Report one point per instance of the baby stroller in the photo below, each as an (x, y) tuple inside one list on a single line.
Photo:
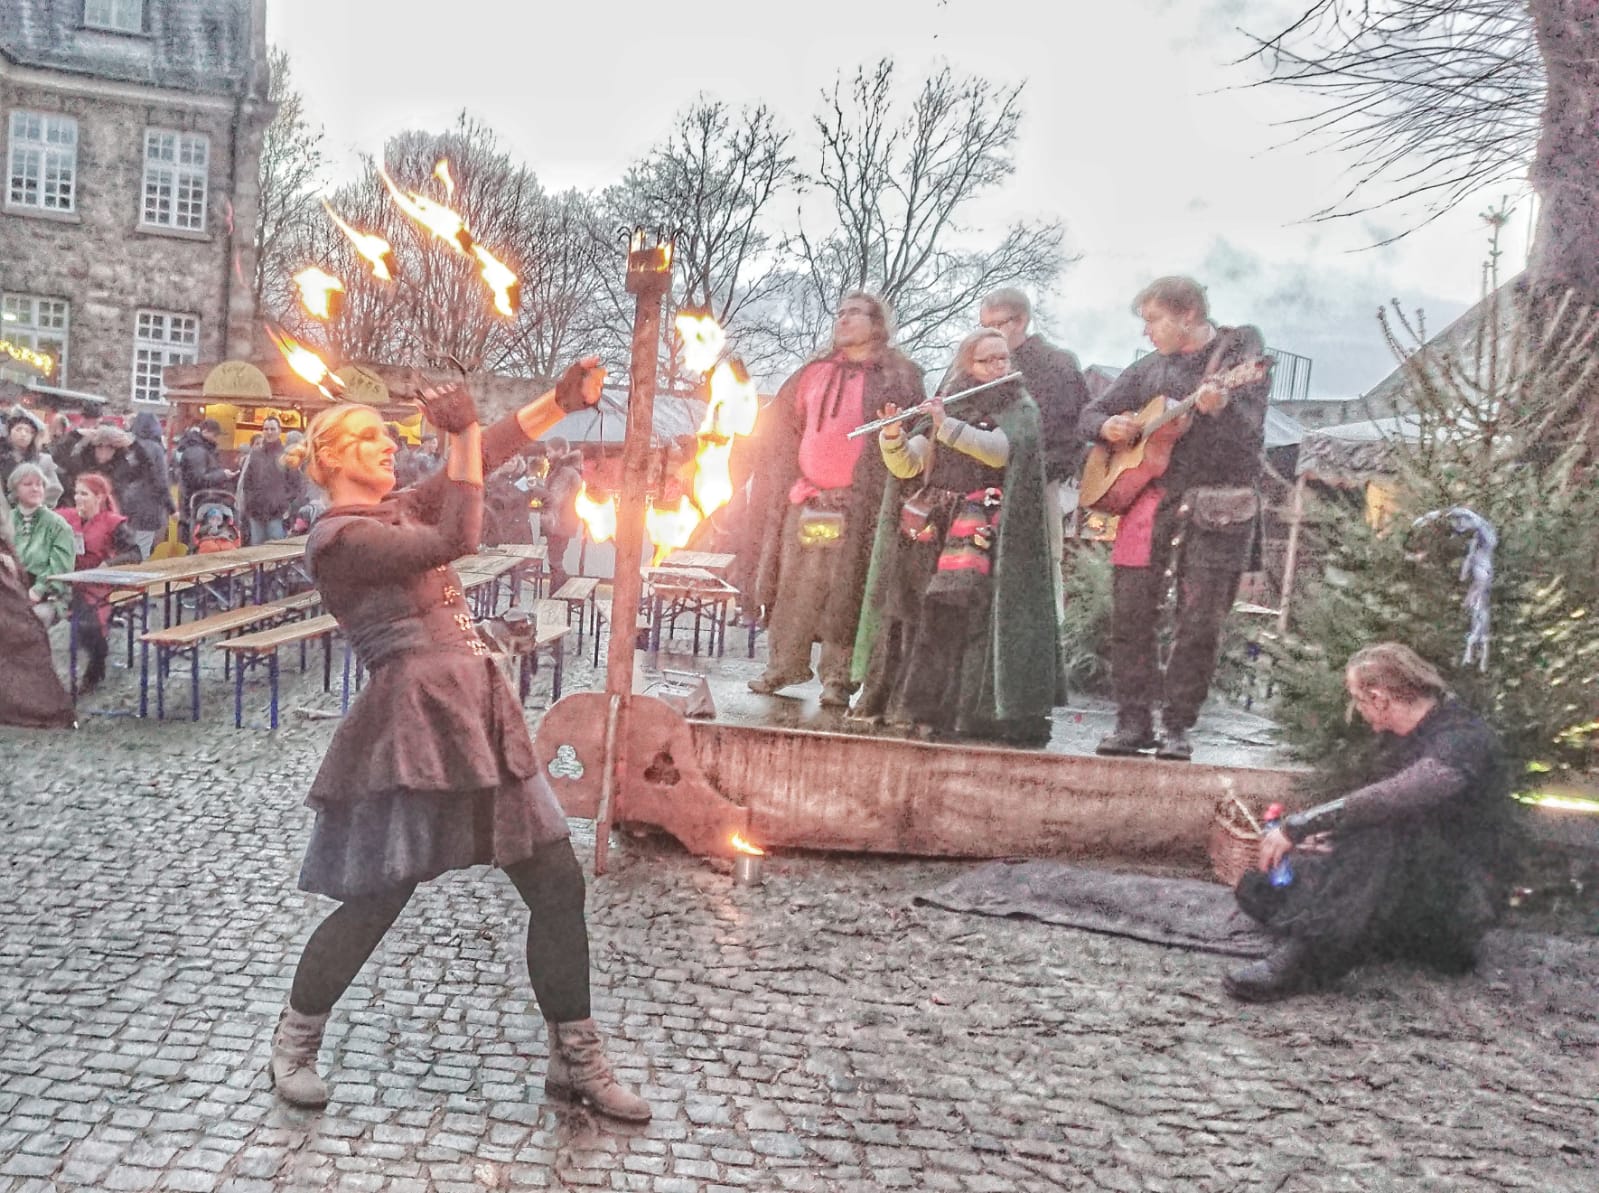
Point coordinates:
[(213, 522)]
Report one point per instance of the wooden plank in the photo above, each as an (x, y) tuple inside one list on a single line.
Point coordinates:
[(883, 795), (282, 635), (230, 619)]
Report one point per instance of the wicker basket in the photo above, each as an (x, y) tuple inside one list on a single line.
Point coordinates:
[(1234, 841)]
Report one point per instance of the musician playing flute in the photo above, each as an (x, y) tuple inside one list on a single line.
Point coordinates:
[(433, 769), (1197, 522), (960, 597)]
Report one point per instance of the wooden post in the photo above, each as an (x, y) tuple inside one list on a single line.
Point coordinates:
[(649, 274), (1296, 516)]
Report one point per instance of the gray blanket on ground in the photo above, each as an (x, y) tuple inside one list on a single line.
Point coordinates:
[(1182, 912)]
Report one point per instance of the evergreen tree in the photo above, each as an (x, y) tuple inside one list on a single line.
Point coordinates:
[(1475, 438)]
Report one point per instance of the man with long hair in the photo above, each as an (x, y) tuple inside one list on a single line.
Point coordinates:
[(817, 496), (1406, 866)]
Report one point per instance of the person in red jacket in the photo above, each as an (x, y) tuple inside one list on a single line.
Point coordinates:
[(102, 537)]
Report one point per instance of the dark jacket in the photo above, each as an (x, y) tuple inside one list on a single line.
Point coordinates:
[(267, 486), (1056, 383), (1217, 449), (558, 495), (199, 466), (144, 489), (892, 377)]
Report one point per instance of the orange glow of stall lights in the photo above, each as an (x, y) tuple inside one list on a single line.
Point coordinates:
[(438, 219), (321, 294), (740, 845), (703, 341), (599, 517), (670, 529), (441, 171), (306, 363), (507, 287), (373, 249)]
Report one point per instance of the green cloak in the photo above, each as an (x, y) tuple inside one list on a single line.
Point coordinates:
[(1008, 673)]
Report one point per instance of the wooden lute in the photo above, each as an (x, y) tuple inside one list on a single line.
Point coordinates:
[(1113, 477)]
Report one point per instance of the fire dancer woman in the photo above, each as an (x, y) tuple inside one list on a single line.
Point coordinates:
[(959, 596), (433, 769)]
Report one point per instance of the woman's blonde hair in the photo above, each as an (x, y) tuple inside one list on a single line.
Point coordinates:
[(327, 435), (1396, 669), (966, 354)]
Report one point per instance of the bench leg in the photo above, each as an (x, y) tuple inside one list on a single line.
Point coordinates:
[(272, 670), (160, 683), (327, 662), (194, 682), (344, 701), (238, 694), (144, 679), (555, 679)]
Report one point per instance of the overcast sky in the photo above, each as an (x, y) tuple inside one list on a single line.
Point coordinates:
[(1137, 134)]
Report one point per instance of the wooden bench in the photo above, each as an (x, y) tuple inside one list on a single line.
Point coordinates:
[(262, 646), (549, 637), (578, 593), (186, 638)]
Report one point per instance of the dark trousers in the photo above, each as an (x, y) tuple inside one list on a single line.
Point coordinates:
[(1376, 896), (556, 545), (1204, 597), (550, 883)]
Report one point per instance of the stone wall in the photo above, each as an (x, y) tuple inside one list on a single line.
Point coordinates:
[(99, 257)]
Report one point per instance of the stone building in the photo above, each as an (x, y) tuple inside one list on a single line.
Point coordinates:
[(132, 136)]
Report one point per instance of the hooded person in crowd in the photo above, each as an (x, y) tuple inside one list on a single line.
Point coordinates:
[(144, 489)]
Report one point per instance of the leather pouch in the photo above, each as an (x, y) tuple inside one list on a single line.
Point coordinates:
[(1222, 507), (819, 527)]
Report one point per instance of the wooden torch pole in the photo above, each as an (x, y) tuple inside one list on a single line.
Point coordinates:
[(649, 274)]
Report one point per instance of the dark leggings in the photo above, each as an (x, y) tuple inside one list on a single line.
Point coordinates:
[(550, 883)]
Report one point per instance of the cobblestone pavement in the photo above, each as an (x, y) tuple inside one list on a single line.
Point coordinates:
[(820, 1032)]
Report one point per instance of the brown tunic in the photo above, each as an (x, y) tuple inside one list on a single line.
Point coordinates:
[(433, 769)]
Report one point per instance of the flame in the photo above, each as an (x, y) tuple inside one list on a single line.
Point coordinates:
[(441, 171), (373, 248), (438, 219), (598, 516), (734, 402), (703, 341), (307, 363), (670, 529), (321, 294), (713, 481), (740, 845), (506, 285)]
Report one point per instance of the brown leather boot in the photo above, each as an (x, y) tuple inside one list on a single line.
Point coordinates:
[(293, 1065), (579, 1071)]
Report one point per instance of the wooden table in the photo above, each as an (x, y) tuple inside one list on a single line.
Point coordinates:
[(167, 577), (711, 561), (675, 592), (532, 557)]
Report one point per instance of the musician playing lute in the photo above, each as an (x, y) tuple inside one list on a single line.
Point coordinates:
[(1206, 499)]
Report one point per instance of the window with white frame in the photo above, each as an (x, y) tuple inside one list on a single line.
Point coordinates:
[(161, 338), (122, 16), (175, 167), (43, 161), (40, 324)]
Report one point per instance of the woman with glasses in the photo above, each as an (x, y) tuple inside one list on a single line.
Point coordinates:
[(958, 626)]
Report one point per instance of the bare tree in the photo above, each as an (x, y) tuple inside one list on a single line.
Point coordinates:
[(898, 186), (1438, 98), (291, 164), (713, 181), (1432, 99), (437, 312)]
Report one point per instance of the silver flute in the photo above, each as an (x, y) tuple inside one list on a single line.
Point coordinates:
[(921, 407)]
